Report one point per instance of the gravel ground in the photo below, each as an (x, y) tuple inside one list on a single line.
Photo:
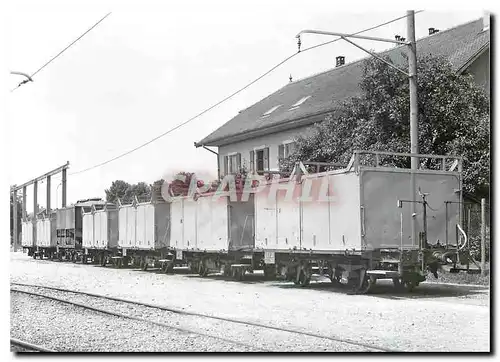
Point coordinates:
[(259, 337), (18, 349), (433, 318), (87, 331)]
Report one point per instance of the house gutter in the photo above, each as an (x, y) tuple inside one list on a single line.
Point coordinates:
[(215, 153), (473, 58)]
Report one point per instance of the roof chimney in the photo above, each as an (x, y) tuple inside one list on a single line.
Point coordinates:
[(486, 21), (397, 37), (340, 61), (433, 31)]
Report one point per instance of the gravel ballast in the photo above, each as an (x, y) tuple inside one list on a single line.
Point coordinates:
[(433, 318), (66, 328), (255, 336)]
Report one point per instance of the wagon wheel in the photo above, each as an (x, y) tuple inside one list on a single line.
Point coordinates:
[(270, 272), (238, 274), (336, 276), (103, 260), (202, 270), (360, 288), (227, 270), (303, 279), (368, 282), (397, 283), (410, 285)]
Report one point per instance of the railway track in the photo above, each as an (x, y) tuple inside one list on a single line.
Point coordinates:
[(250, 331), (24, 346)]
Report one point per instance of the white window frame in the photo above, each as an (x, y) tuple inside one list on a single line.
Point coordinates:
[(230, 155), (285, 143), (258, 148)]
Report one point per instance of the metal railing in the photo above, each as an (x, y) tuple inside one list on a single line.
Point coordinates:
[(377, 159)]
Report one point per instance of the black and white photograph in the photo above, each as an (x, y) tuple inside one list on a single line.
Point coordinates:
[(247, 176)]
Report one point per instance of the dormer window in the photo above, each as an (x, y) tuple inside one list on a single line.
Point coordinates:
[(297, 105), (270, 111)]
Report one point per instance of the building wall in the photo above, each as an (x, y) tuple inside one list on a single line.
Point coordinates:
[(271, 140), (480, 70)]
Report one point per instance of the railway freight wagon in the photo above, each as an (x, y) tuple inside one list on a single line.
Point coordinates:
[(356, 224), (143, 236), (214, 232), (69, 228), (45, 236), (27, 236), (100, 234)]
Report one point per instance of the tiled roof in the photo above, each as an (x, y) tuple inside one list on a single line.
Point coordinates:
[(329, 89)]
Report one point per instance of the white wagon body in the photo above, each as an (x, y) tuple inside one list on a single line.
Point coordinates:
[(27, 234), (355, 211), (46, 232), (211, 223), (144, 226), (100, 229)]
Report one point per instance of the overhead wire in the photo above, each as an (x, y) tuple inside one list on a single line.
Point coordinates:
[(62, 51), (234, 94)]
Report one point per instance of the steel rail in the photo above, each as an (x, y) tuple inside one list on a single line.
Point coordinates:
[(120, 315), (231, 320), (24, 344)]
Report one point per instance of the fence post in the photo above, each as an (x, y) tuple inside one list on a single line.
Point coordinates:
[(483, 237)]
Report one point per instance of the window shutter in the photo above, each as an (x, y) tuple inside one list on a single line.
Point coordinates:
[(225, 165), (266, 159), (238, 163), (281, 153), (252, 161)]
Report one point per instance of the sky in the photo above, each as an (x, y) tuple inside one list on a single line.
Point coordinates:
[(150, 66)]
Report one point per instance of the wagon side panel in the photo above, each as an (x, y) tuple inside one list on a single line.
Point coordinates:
[(189, 222), (87, 231), (176, 223), (381, 191), (204, 222), (162, 225), (241, 218), (345, 212), (265, 220), (123, 227)]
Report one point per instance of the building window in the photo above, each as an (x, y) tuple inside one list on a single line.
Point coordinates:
[(285, 150), (232, 163), (259, 160)]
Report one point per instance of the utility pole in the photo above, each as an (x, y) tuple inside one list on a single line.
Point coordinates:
[(412, 76), (412, 71)]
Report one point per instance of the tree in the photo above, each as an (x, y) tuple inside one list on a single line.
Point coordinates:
[(127, 192), (453, 120), (117, 191)]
